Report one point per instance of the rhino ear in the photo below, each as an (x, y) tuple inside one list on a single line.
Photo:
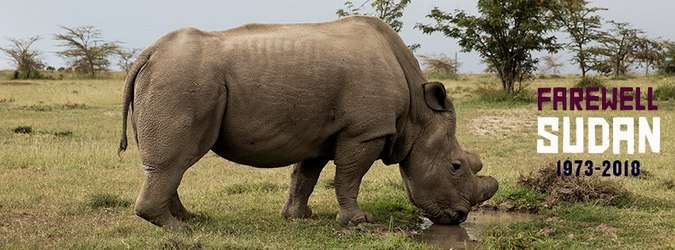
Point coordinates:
[(434, 96)]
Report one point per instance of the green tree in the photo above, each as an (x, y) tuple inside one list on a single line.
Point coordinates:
[(582, 26), (85, 49), (26, 59), (667, 65), (616, 50), (504, 34), (390, 11), (649, 53)]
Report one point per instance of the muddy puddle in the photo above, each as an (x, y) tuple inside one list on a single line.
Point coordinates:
[(467, 234)]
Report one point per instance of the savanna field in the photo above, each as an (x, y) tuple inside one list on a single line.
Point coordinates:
[(62, 184)]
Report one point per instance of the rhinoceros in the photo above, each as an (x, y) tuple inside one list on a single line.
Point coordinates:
[(273, 95)]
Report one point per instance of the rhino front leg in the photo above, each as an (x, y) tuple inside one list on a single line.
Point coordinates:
[(352, 161), (177, 209), (303, 179)]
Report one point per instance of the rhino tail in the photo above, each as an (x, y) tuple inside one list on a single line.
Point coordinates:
[(129, 96)]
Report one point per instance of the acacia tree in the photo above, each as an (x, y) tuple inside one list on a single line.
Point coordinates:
[(580, 23), (504, 34), (649, 53), (26, 59), (616, 50), (551, 65), (125, 57), (440, 66), (85, 48), (667, 64), (390, 11)]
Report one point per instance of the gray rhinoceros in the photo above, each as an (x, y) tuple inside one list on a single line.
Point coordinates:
[(271, 95)]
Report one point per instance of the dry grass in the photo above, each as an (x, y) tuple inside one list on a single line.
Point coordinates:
[(582, 189)]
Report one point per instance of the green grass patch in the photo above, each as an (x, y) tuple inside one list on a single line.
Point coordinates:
[(394, 211), (107, 200), (394, 183), (516, 198), (503, 98), (255, 187), (173, 243), (521, 235), (586, 213), (591, 81)]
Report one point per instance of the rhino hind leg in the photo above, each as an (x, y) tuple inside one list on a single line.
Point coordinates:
[(157, 197), (158, 201), (177, 122), (352, 161), (303, 179)]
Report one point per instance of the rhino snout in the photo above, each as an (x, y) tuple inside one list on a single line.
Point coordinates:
[(449, 216)]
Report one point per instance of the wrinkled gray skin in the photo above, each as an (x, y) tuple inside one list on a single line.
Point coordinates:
[(274, 95)]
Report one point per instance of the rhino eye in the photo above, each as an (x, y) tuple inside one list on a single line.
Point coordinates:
[(456, 166)]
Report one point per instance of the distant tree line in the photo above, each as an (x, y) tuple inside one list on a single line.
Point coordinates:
[(83, 48), (506, 33)]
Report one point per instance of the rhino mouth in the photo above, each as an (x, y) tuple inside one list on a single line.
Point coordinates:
[(448, 216)]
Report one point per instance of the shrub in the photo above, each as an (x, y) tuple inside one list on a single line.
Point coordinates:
[(23, 130), (21, 75), (440, 67), (665, 92), (559, 189), (65, 133), (592, 81), (72, 105)]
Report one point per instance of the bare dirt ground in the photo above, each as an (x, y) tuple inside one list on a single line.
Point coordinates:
[(500, 123)]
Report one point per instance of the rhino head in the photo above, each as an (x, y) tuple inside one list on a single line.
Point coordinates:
[(439, 176)]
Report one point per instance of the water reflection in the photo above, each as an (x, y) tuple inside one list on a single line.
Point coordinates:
[(465, 235)]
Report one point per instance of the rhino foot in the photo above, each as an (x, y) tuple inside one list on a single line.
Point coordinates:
[(178, 210), (296, 211), (177, 226), (166, 221), (355, 217)]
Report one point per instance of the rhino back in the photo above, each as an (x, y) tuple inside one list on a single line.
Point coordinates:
[(292, 89)]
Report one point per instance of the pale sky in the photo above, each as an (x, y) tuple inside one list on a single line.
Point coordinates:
[(138, 23)]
